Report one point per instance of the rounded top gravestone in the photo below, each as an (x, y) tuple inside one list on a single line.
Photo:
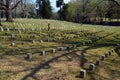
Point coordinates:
[(53, 50), (41, 41), (42, 53), (82, 73), (91, 67), (28, 56), (8, 29), (2, 29), (12, 44), (12, 35)]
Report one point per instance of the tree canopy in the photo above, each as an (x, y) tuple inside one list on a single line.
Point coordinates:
[(44, 9)]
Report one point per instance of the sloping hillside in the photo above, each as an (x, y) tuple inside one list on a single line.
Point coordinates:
[(31, 51)]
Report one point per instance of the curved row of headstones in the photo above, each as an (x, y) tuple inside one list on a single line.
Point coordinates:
[(42, 53), (17, 29), (60, 49), (98, 61), (23, 42), (68, 48), (26, 29), (82, 72), (33, 41)]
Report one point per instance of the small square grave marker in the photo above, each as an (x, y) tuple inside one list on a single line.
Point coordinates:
[(61, 49), (33, 41), (41, 41), (83, 43), (8, 29), (106, 55), (12, 36), (12, 44), (0, 45), (102, 57), (97, 62), (74, 46), (48, 40), (2, 29), (28, 56), (112, 50), (91, 67), (82, 73), (68, 47), (53, 50), (109, 53), (90, 41), (42, 53)]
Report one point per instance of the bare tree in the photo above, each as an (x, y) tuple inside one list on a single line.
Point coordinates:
[(1, 1), (7, 7), (0, 19)]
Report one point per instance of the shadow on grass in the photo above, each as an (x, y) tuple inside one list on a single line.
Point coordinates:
[(41, 66)]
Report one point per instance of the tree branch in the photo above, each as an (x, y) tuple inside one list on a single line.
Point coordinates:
[(1, 4), (116, 2), (16, 5), (2, 8)]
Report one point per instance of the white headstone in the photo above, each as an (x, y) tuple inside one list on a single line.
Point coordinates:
[(41, 41), (74, 46), (91, 67), (53, 50), (82, 73), (13, 44), (0, 45), (97, 62), (42, 53), (109, 53), (83, 43), (28, 56), (33, 41), (106, 55), (12, 35), (8, 29), (102, 57), (2, 29), (61, 49)]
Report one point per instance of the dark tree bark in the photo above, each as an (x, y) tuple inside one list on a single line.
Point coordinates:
[(7, 8), (1, 1), (8, 11), (0, 19)]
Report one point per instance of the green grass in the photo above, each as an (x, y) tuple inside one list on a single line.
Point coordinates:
[(64, 33)]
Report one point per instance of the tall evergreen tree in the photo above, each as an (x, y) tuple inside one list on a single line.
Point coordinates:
[(44, 9), (59, 3), (64, 12)]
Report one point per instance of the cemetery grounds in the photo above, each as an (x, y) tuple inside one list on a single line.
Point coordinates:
[(70, 42)]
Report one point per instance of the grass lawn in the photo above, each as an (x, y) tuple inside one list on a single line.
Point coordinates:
[(32, 36)]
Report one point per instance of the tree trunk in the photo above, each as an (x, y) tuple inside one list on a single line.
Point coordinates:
[(60, 13), (8, 12), (0, 19), (0, 22), (8, 16)]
